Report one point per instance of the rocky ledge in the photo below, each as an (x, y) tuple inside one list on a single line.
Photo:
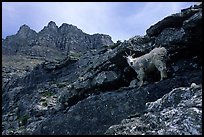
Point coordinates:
[(178, 112)]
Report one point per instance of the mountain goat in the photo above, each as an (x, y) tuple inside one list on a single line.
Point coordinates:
[(148, 62)]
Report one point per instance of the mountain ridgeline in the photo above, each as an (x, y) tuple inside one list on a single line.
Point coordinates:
[(53, 41)]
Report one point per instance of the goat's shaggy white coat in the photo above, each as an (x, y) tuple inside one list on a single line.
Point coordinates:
[(146, 63)]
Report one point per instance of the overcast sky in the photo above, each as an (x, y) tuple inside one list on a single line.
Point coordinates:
[(120, 20)]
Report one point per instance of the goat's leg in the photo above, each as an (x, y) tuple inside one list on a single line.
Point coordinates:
[(161, 66), (140, 76), (163, 74)]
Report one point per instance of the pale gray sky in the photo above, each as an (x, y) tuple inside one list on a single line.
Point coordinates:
[(120, 20)]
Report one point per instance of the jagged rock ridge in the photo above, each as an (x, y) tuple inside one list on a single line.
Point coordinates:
[(52, 41)]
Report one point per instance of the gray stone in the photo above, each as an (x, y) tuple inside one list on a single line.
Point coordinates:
[(176, 113), (133, 83), (105, 77)]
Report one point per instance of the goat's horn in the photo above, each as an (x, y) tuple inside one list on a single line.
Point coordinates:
[(133, 54), (126, 54), (130, 53)]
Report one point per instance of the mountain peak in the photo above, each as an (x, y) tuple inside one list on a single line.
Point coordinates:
[(65, 25), (25, 31), (24, 28), (52, 25), (64, 28)]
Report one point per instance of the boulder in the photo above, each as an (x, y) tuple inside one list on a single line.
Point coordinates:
[(178, 112), (105, 77)]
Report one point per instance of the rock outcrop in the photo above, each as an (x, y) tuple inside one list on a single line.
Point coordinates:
[(178, 112), (94, 93)]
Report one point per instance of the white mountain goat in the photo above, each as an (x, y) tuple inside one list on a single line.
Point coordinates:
[(148, 62)]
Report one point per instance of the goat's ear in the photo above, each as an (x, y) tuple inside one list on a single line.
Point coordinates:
[(124, 57)]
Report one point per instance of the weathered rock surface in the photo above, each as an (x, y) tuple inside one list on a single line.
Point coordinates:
[(87, 95), (178, 112), (175, 20)]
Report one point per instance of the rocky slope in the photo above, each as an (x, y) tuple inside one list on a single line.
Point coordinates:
[(52, 43), (94, 93), (178, 112)]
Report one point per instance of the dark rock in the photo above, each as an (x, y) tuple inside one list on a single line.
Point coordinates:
[(103, 110), (170, 36), (193, 21), (177, 113), (173, 21), (105, 77), (109, 108)]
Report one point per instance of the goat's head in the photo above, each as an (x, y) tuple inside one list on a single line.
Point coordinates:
[(129, 58)]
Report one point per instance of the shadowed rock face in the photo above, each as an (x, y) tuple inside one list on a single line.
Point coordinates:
[(94, 93)]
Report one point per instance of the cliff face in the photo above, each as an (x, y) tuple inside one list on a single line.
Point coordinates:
[(98, 93)]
